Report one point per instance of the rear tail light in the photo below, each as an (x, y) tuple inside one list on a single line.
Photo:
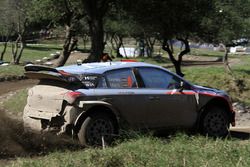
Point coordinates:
[(64, 73), (129, 60), (70, 97)]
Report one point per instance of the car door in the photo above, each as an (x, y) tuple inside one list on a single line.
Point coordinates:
[(122, 92), (166, 106)]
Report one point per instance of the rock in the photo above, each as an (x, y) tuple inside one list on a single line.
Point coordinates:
[(54, 55), (5, 64), (239, 107), (45, 58), (49, 63), (27, 62), (8, 78), (38, 61)]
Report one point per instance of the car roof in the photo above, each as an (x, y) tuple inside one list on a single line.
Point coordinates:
[(102, 67)]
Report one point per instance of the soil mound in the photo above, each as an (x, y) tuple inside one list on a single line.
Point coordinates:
[(16, 142), (10, 136)]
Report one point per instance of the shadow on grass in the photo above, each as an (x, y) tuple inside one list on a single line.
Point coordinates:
[(43, 48), (240, 134), (160, 59), (206, 55), (243, 71), (201, 63)]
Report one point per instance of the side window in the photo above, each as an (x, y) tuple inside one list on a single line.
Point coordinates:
[(102, 83), (157, 78), (123, 78)]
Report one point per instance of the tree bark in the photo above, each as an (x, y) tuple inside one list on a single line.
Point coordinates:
[(97, 37), (225, 59), (4, 50), (176, 63), (71, 19), (22, 45), (85, 40), (14, 49), (117, 42), (150, 46), (69, 45), (96, 10)]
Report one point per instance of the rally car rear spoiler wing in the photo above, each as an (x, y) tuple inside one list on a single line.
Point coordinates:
[(38, 68), (48, 73)]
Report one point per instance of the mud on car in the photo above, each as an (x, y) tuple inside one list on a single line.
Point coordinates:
[(94, 101)]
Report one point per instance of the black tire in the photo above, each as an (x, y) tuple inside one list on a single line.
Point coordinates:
[(96, 129), (215, 122)]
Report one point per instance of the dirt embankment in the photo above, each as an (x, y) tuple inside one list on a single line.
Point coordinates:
[(9, 86), (14, 140), (10, 132)]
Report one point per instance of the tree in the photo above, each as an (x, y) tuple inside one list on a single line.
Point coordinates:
[(6, 26), (96, 10), (118, 25), (69, 13), (228, 25), (14, 23), (63, 12), (22, 22), (170, 20)]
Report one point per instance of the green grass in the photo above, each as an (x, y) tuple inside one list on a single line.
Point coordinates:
[(30, 53), (215, 76), (17, 102), (179, 150), (33, 52), (12, 70), (206, 52)]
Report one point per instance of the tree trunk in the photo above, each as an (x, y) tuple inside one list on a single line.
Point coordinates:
[(97, 37), (141, 47), (225, 59), (118, 55), (22, 45), (14, 49), (16, 53), (176, 63), (18, 57), (96, 10), (69, 45), (4, 50), (117, 42), (150, 46), (85, 40)]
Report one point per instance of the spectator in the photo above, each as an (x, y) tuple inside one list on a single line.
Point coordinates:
[(105, 57)]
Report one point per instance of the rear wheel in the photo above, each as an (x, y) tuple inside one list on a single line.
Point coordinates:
[(215, 122), (96, 130)]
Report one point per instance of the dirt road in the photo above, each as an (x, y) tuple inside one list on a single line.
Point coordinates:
[(9, 86)]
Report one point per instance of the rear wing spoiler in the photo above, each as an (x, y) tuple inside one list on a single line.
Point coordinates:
[(37, 68), (44, 73)]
